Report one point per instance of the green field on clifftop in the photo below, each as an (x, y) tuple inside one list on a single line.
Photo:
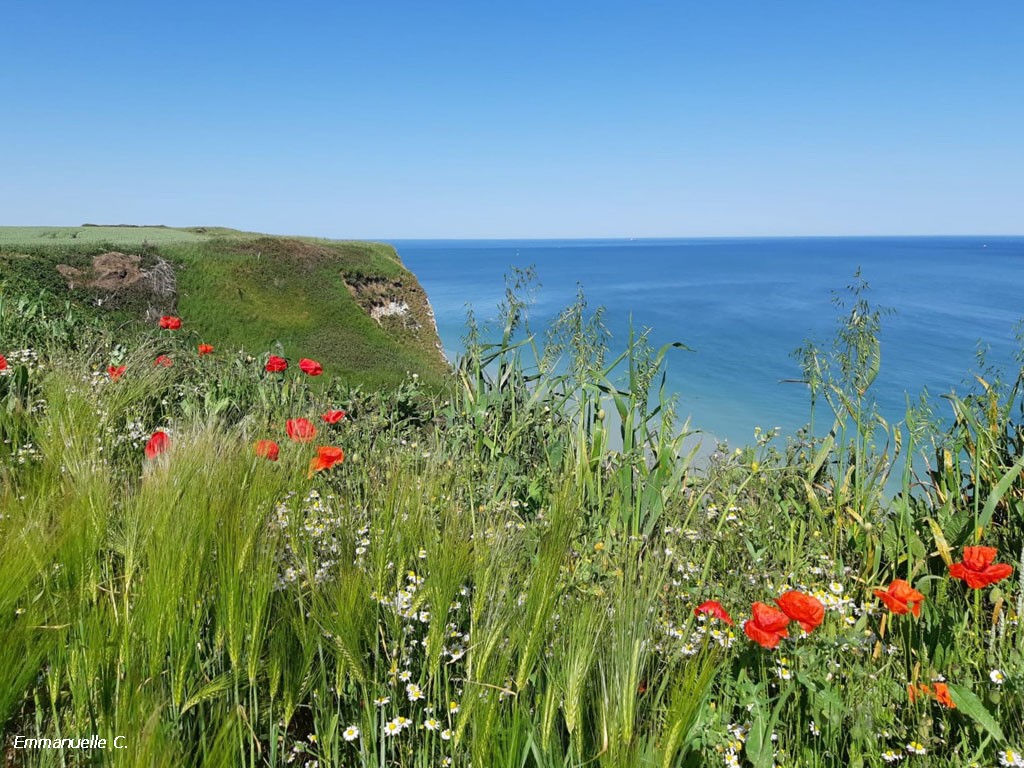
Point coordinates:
[(292, 296)]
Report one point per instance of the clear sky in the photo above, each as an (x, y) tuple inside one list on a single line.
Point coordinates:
[(518, 119)]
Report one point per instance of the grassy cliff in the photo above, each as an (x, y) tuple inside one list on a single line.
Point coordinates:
[(352, 306)]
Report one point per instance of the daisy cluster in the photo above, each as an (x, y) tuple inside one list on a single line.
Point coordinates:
[(312, 531), (27, 357), (705, 631)]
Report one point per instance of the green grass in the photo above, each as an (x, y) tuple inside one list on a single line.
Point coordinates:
[(286, 296), (522, 594), (28, 237)]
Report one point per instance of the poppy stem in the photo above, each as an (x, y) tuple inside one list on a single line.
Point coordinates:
[(977, 607), (907, 654)]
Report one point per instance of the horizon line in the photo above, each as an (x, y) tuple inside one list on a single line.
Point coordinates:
[(628, 238), (538, 238)]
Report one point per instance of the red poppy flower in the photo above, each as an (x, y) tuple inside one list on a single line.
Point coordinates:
[(938, 691), (913, 691), (205, 349), (163, 360), (170, 323), (310, 367), (900, 598), (767, 626), (268, 449), (333, 417), (276, 364), (157, 444), (300, 430), (327, 457), (115, 372), (977, 568), (806, 609), (3, 363), (713, 608), (943, 696)]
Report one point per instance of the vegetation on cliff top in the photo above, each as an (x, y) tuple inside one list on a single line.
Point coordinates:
[(248, 291)]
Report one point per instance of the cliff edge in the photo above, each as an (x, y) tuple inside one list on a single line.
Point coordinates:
[(352, 305)]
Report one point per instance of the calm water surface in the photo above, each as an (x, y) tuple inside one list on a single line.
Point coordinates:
[(744, 305)]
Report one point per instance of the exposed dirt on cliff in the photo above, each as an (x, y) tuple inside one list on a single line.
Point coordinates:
[(118, 279)]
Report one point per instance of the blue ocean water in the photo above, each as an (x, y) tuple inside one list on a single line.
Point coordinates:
[(744, 305)]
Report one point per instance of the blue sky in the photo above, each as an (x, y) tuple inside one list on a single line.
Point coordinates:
[(526, 119)]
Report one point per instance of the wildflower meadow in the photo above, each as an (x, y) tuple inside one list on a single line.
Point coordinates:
[(224, 558)]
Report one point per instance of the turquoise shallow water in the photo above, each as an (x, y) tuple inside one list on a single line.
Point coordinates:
[(744, 305)]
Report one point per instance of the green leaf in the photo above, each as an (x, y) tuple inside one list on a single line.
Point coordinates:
[(998, 492), (971, 706), (758, 746)]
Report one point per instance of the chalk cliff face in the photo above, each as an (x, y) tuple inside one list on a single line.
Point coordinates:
[(398, 303), (352, 305)]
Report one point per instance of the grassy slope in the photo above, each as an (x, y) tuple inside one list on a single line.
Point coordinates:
[(251, 291)]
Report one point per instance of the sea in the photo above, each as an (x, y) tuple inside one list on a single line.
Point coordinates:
[(743, 306)]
